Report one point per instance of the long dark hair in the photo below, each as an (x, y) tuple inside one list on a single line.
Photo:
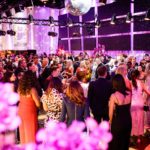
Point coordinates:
[(134, 75), (75, 93), (55, 82), (119, 84), (7, 76), (27, 82)]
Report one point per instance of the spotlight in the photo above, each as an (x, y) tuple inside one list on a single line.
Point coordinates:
[(8, 13), (53, 34), (54, 2), (30, 17), (76, 34), (19, 8), (44, 1), (97, 23), (11, 32), (113, 19), (129, 17), (51, 21), (147, 15), (102, 2), (2, 33), (90, 30), (69, 22)]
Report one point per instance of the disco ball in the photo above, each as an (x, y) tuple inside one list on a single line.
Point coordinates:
[(78, 7)]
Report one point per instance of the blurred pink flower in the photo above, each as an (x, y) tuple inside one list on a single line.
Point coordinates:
[(9, 120), (57, 136)]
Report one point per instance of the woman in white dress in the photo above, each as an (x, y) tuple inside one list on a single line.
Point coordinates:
[(137, 104), (147, 83)]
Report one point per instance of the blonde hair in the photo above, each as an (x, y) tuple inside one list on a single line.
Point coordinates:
[(120, 70)]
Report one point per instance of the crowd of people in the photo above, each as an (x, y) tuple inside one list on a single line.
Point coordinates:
[(72, 88)]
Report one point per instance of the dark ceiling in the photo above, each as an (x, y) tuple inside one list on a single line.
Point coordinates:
[(6, 5)]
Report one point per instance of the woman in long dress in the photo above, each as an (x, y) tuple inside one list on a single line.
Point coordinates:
[(137, 104), (28, 104), (119, 114), (147, 83)]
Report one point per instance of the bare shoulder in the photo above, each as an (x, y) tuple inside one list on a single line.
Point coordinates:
[(112, 97), (33, 90)]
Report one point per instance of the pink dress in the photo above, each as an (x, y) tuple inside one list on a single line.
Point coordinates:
[(137, 111), (147, 113)]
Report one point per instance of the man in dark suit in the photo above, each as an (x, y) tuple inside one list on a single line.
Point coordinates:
[(98, 95), (45, 72)]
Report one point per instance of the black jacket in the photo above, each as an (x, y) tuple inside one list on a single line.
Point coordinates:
[(98, 96)]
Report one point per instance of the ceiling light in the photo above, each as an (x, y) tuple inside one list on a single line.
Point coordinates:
[(30, 17), (53, 34), (97, 23), (113, 19), (76, 34), (8, 13), (102, 2), (11, 32), (2, 33), (19, 8), (147, 15), (69, 22), (51, 21), (129, 17), (54, 2)]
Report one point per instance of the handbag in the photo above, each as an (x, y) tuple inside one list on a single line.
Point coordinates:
[(146, 108)]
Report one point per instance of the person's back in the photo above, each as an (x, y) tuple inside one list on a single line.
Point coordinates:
[(74, 111), (122, 107), (75, 105), (98, 95), (27, 109), (119, 114), (137, 95), (121, 122), (52, 99)]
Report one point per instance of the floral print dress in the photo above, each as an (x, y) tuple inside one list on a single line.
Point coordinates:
[(54, 103)]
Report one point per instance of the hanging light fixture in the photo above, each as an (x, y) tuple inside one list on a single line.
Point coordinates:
[(19, 8), (147, 15), (102, 2), (98, 23), (2, 33), (69, 22), (51, 21), (129, 17), (10, 31), (113, 19), (8, 13), (54, 2), (30, 17)]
